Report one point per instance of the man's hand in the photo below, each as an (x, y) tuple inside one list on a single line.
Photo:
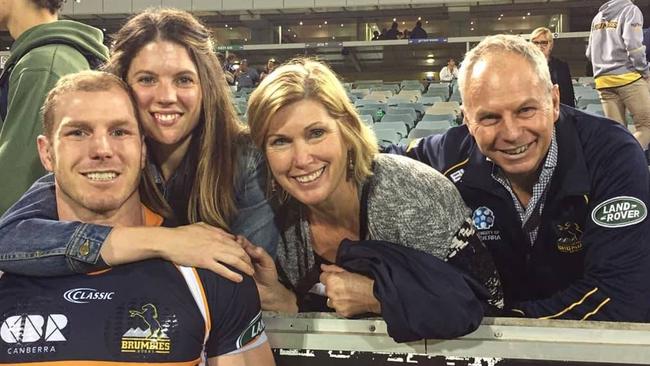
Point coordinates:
[(273, 295), (197, 245), (349, 293)]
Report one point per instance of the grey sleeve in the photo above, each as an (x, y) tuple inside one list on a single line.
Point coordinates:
[(633, 39), (415, 206)]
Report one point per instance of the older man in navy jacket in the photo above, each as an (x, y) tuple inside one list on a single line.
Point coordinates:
[(559, 196)]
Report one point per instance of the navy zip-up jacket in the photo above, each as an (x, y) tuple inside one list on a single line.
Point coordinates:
[(591, 259)]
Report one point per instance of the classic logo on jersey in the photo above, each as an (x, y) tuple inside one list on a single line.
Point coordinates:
[(483, 218), (151, 338), (32, 333), (569, 235), (85, 295), (254, 328), (619, 212)]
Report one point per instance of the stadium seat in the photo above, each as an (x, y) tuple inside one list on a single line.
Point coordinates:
[(368, 119), (416, 133), (410, 111), (584, 102), (365, 103), (360, 93), (428, 101), (433, 125), (455, 97), (393, 88), (417, 87), (377, 97), (399, 127), (386, 136), (595, 109), (419, 108), (403, 118), (381, 93), (448, 117), (442, 93), (369, 111), (397, 99), (586, 80), (410, 82), (440, 85)]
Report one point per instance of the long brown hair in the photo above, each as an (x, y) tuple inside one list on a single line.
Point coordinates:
[(212, 199)]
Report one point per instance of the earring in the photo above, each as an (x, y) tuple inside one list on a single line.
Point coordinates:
[(350, 172), (274, 186)]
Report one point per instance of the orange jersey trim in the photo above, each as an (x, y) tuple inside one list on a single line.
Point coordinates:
[(151, 218)]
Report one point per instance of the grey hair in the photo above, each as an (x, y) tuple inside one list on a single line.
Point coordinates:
[(503, 43)]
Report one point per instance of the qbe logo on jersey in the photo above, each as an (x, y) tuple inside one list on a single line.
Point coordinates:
[(32, 334)]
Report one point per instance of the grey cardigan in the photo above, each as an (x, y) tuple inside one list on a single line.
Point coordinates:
[(409, 203)]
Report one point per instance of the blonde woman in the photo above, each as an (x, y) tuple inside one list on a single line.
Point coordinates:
[(344, 206)]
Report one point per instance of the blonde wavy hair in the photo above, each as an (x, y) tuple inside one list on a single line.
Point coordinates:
[(301, 79)]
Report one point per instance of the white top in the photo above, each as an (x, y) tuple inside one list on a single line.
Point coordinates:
[(446, 75)]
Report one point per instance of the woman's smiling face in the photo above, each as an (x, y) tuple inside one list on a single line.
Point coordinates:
[(166, 85)]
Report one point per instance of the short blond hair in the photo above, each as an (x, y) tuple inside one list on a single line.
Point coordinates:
[(84, 81), (542, 31), (301, 79), (504, 43)]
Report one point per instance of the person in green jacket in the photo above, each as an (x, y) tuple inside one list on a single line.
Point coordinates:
[(44, 50)]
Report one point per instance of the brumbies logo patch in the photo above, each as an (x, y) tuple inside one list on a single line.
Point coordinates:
[(569, 238), (254, 328), (619, 212), (152, 339)]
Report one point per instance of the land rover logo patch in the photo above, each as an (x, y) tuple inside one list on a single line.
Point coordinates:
[(619, 212), (254, 328)]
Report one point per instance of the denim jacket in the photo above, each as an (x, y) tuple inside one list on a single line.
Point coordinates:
[(33, 242)]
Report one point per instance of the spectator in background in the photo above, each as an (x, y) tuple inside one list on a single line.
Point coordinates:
[(620, 67), (375, 36), (418, 32), (230, 78), (450, 71), (406, 34), (230, 65), (45, 50), (393, 32), (245, 76), (271, 65), (560, 75)]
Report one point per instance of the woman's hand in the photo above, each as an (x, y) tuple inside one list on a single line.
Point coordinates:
[(348, 293), (197, 245), (273, 295)]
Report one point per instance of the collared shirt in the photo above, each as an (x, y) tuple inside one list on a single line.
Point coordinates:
[(531, 215)]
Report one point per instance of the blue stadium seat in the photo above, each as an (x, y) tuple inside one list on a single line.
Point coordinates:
[(410, 111), (439, 117), (401, 118), (398, 127), (434, 125)]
